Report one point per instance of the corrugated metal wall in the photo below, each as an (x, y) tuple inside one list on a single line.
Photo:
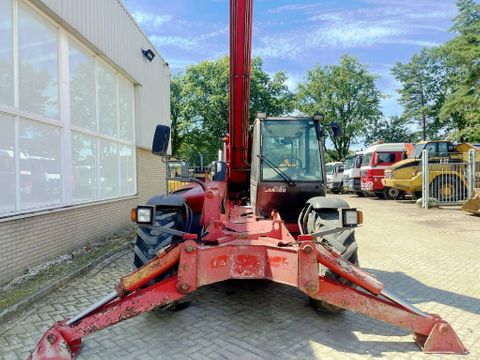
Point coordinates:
[(109, 30)]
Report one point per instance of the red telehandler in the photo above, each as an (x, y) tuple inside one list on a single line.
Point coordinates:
[(264, 215)]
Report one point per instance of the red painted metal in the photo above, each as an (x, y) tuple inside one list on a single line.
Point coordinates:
[(241, 13), (63, 341), (252, 255)]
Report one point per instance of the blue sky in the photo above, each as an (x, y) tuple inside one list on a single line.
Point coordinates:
[(294, 36)]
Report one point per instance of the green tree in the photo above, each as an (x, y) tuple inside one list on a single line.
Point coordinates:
[(176, 105), (345, 93), (425, 83), (200, 105), (462, 105), (389, 130)]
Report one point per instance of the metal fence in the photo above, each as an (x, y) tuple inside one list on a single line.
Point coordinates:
[(449, 180)]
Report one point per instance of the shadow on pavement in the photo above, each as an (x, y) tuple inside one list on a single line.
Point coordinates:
[(423, 293)]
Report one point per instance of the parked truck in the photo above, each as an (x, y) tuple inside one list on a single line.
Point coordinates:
[(334, 176), (376, 159), (447, 178), (351, 173)]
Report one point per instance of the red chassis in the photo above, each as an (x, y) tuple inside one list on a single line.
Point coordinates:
[(238, 246)]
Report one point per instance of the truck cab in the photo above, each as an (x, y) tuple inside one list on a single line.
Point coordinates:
[(334, 171), (351, 173), (376, 159)]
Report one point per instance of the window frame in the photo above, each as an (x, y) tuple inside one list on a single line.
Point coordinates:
[(63, 123)]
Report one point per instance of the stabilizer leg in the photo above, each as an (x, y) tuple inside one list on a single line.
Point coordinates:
[(431, 333), (62, 341)]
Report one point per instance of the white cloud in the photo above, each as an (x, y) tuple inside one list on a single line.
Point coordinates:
[(339, 35), (150, 20), (292, 7)]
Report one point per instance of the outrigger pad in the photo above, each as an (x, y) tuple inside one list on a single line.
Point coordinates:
[(441, 340), (54, 346)]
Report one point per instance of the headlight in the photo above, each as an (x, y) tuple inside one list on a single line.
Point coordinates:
[(350, 217), (143, 215)]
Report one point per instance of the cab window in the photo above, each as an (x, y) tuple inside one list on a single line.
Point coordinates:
[(385, 158), (443, 149), (432, 149)]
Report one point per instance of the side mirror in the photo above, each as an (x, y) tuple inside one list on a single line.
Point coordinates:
[(336, 129), (161, 140)]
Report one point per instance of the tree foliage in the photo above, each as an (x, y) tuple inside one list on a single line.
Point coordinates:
[(345, 93), (200, 105), (440, 86), (425, 83), (462, 106), (390, 130)]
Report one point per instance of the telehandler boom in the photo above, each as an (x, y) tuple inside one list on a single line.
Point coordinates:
[(263, 216)]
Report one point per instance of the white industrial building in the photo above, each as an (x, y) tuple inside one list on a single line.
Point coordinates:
[(80, 96)]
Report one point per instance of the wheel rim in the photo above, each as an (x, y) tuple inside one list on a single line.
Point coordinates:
[(447, 191), (393, 193)]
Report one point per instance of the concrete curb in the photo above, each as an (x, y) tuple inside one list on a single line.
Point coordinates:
[(13, 310)]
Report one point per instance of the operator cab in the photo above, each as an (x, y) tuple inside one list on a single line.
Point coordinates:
[(435, 149), (286, 165)]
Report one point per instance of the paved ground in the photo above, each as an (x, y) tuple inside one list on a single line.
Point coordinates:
[(430, 258)]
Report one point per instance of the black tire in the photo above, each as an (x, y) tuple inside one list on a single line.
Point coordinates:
[(379, 194), (360, 194), (392, 193), (343, 242), (448, 189), (151, 241)]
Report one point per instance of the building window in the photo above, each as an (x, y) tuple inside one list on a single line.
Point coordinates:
[(83, 112), (54, 155), (7, 163), (40, 165), (84, 160), (6, 52), (37, 63)]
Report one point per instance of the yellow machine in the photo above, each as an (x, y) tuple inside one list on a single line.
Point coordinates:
[(445, 176), (176, 169), (473, 205)]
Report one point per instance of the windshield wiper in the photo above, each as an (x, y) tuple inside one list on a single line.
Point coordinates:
[(284, 176)]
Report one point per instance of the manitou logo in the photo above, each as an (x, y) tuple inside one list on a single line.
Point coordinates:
[(276, 189)]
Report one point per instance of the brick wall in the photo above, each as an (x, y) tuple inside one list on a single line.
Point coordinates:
[(36, 238)]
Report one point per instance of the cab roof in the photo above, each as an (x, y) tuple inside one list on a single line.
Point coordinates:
[(386, 147)]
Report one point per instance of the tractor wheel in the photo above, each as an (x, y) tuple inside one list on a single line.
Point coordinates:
[(150, 241), (343, 242), (448, 189), (392, 193)]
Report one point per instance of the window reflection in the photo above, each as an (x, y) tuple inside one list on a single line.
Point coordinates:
[(7, 163), (84, 157), (108, 169), (38, 63), (40, 165), (125, 105), (6, 53), (127, 170), (107, 101), (82, 87), (295, 154)]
